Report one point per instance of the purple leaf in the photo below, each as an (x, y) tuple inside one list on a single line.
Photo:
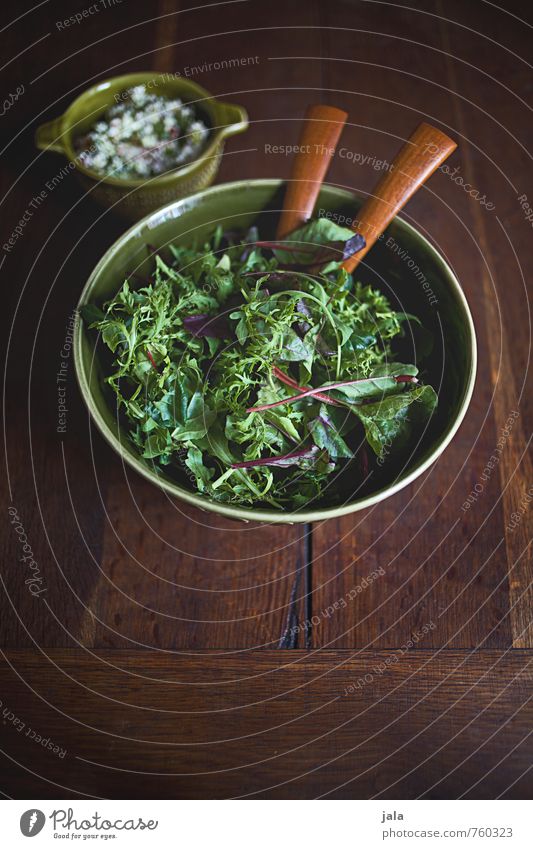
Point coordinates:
[(292, 459), (203, 324), (354, 245), (302, 308)]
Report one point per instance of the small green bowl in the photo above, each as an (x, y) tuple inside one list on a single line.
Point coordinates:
[(135, 198), (451, 367)]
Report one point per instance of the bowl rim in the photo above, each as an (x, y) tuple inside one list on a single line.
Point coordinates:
[(261, 514), (211, 102)]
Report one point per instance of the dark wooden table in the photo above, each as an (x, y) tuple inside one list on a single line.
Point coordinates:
[(157, 662)]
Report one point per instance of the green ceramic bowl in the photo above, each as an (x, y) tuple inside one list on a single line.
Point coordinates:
[(135, 198), (432, 293)]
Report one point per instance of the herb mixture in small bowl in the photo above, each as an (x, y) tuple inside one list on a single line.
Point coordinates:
[(141, 140), (258, 378), (143, 135)]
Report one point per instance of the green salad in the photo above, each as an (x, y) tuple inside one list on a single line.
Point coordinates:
[(261, 370)]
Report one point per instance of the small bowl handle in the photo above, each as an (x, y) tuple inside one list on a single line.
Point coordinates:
[(231, 119), (49, 136)]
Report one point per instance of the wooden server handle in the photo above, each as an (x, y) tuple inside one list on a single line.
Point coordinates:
[(318, 139), (422, 153)]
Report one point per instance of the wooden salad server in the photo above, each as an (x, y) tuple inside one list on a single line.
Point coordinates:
[(419, 157), (319, 136)]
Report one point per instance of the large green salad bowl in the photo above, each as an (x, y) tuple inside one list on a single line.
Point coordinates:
[(403, 264)]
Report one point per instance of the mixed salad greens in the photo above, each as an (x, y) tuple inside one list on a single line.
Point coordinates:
[(261, 369)]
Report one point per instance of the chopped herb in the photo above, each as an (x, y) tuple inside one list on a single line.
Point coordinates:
[(143, 135)]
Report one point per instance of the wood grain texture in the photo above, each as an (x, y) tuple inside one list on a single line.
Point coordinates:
[(175, 577), (509, 374), (442, 562), (335, 724)]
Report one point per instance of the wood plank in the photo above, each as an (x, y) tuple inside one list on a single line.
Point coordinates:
[(170, 575), (504, 237), (179, 578), (55, 509), (273, 725), (169, 599), (443, 565)]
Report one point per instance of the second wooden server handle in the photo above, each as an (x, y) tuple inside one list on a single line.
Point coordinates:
[(420, 156)]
